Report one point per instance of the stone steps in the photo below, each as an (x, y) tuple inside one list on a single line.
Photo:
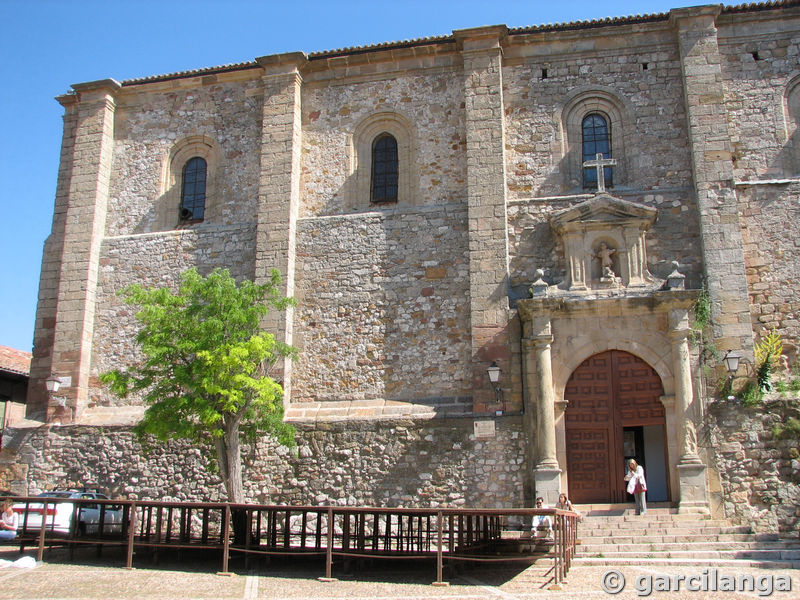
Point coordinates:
[(671, 538), (612, 534), (698, 554), (687, 546), (688, 562)]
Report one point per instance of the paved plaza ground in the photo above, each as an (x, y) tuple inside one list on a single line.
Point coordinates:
[(195, 578)]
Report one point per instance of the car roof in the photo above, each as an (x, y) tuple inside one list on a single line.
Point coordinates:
[(69, 494)]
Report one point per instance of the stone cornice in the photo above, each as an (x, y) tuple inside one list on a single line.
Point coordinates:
[(108, 86), (480, 39), (676, 15), (575, 305), (282, 64)]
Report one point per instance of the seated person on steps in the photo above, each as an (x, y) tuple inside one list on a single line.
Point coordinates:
[(542, 526), (9, 521)]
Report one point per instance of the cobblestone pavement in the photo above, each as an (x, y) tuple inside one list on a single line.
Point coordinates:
[(93, 578)]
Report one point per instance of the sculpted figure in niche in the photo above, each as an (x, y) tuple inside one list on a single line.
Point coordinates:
[(606, 263)]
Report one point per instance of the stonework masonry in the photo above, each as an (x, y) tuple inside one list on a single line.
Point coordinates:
[(378, 463), (491, 253), (759, 472)]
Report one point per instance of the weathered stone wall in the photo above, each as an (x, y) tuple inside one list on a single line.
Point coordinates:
[(640, 68), (770, 215), (759, 473), (147, 128), (155, 259), (383, 306), (332, 113), (379, 463), (757, 62)]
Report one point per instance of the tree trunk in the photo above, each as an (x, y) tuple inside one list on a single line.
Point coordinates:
[(229, 455)]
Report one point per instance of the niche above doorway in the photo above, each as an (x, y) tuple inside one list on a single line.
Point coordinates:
[(604, 244)]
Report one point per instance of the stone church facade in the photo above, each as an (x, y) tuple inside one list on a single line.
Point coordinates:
[(546, 200)]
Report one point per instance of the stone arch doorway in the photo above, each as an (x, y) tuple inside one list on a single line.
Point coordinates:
[(613, 413)]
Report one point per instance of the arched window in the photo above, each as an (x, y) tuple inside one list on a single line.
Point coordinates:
[(596, 140), (385, 169), (193, 190)]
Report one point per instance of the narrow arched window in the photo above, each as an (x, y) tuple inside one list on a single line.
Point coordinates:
[(385, 169), (193, 190), (596, 140)]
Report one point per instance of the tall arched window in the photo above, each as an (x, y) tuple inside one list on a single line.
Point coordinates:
[(385, 170), (596, 140), (193, 190)]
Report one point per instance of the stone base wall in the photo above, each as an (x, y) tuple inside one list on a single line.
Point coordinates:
[(393, 463), (759, 473)]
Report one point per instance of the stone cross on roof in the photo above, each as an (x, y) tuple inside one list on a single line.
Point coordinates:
[(599, 163)]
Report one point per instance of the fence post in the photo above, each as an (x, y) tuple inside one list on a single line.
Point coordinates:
[(131, 535), (439, 558), (40, 552), (329, 550), (226, 539)]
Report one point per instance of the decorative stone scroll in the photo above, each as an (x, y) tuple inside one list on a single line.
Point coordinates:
[(604, 243)]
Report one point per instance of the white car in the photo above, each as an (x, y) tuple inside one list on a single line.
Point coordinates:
[(59, 515)]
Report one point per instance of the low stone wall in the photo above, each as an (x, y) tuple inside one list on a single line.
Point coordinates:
[(435, 462), (759, 472)]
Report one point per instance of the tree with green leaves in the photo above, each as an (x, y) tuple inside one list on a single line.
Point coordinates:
[(206, 363)]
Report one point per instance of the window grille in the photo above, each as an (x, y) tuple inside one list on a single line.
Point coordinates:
[(596, 140), (385, 169), (193, 190)]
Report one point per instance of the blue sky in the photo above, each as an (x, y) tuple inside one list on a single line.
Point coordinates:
[(47, 45)]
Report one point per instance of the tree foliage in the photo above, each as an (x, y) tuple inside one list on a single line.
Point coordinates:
[(205, 372)]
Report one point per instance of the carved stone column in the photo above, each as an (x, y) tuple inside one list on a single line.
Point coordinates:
[(691, 470), (539, 382)]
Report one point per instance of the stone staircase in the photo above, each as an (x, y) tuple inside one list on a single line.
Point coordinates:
[(612, 534)]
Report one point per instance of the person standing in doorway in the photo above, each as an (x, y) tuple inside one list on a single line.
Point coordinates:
[(637, 485)]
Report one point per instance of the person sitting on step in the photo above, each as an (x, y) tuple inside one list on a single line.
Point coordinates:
[(9, 521), (542, 526)]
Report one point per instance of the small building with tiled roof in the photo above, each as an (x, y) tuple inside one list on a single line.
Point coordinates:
[(15, 368)]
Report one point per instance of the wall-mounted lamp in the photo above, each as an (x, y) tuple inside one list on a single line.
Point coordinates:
[(494, 377), (55, 383), (52, 383), (731, 360)]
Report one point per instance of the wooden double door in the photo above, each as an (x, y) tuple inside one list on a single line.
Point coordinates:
[(609, 395)]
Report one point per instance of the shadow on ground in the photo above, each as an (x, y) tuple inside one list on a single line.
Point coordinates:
[(391, 571)]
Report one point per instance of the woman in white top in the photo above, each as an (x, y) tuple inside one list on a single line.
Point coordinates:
[(637, 485), (9, 521)]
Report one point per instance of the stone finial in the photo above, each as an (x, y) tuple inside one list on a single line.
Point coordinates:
[(676, 280), (539, 286)]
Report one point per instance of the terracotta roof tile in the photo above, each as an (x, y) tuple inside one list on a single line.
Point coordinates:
[(15, 361)]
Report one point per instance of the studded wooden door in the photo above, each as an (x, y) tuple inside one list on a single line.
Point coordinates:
[(607, 392)]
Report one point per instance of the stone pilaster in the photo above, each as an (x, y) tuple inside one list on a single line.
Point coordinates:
[(723, 250), (47, 304), (279, 185), (486, 196), (691, 470), (70, 265)]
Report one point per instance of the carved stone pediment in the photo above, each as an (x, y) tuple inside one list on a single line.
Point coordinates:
[(604, 243)]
